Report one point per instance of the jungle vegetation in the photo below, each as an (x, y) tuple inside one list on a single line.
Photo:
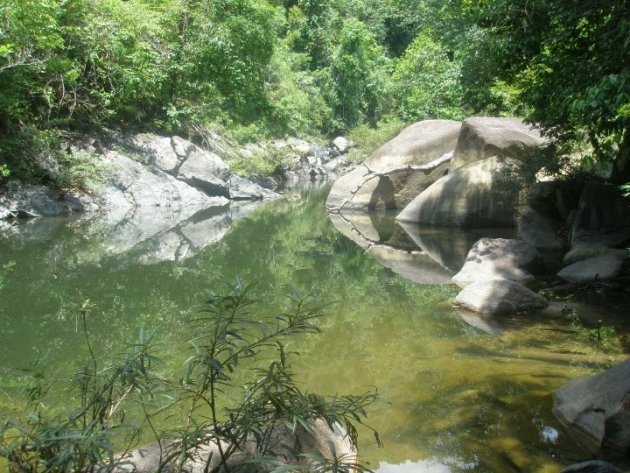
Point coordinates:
[(272, 68)]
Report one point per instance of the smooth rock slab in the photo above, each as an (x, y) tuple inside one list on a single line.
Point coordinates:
[(596, 410), (602, 267), (480, 194), (498, 258), (499, 297)]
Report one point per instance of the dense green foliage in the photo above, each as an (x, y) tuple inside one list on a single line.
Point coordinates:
[(262, 68), (568, 63)]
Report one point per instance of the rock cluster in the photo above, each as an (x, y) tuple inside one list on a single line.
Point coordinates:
[(479, 189), (465, 176), (162, 198), (440, 173)]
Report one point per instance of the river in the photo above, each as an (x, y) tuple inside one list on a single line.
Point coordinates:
[(452, 397)]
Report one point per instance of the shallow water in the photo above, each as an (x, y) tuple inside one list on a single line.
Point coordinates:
[(457, 393)]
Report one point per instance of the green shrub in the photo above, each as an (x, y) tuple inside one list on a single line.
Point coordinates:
[(236, 387), (80, 170), (368, 139)]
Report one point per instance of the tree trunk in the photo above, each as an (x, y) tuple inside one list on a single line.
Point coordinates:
[(621, 167)]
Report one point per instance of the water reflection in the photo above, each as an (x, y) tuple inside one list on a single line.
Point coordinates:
[(146, 236), (453, 397), (424, 255)]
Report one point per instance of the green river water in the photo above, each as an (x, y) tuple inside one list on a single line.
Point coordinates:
[(453, 397)]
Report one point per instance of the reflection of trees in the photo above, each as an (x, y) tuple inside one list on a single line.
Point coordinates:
[(452, 390)]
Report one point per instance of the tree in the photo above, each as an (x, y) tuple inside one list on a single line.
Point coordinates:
[(358, 72), (569, 59), (426, 81)]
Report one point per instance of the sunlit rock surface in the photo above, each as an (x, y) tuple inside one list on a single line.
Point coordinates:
[(483, 137), (399, 170), (499, 297), (292, 448), (498, 258)]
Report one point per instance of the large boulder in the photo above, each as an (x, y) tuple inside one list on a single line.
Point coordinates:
[(499, 297), (484, 137), (479, 194), (417, 144), (596, 410), (493, 259), (399, 170), (606, 266), (603, 216)]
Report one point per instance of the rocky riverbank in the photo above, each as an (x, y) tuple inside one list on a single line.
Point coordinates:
[(163, 198)]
